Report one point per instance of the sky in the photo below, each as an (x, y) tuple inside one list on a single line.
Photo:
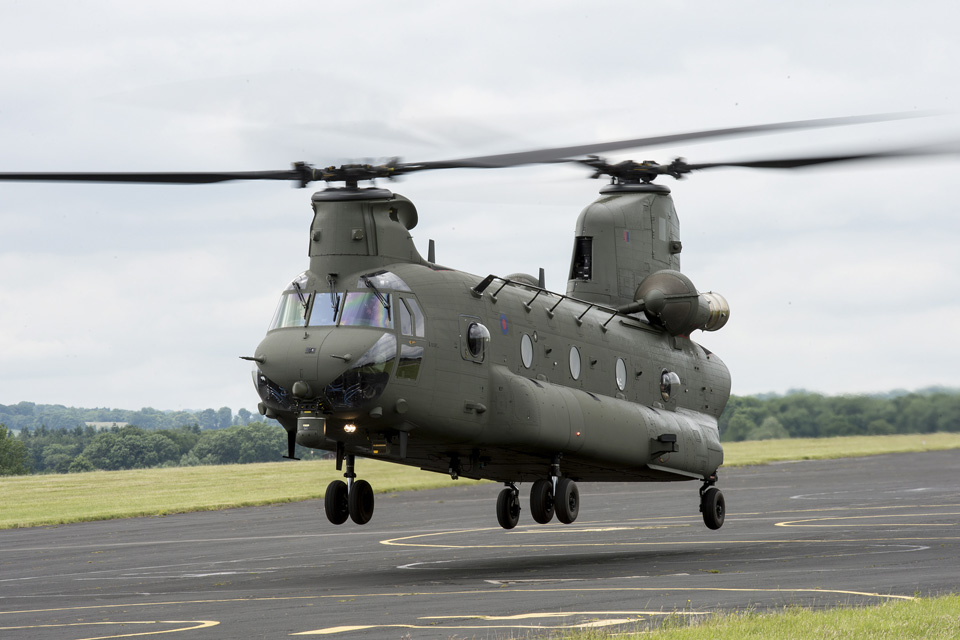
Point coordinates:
[(841, 279)]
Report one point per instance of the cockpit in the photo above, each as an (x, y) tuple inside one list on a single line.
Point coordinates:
[(371, 306), (379, 301)]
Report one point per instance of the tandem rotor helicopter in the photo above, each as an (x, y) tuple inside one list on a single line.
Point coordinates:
[(375, 351)]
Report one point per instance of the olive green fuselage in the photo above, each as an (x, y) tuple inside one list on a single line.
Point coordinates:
[(496, 380)]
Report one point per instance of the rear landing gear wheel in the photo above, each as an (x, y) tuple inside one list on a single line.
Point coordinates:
[(567, 500), (541, 501), (335, 502), (508, 508), (713, 507), (361, 502)]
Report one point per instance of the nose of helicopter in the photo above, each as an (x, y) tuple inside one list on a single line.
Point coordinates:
[(307, 362)]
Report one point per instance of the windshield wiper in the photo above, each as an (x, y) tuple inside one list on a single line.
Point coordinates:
[(382, 298), (334, 296), (303, 298)]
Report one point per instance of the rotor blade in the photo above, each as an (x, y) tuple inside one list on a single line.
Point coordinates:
[(568, 154), (794, 163), (155, 178)]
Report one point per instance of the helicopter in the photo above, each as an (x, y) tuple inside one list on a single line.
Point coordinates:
[(375, 351)]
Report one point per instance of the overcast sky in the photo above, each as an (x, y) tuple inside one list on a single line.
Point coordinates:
[(841, 279)]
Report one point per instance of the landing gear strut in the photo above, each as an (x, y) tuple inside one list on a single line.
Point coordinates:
[(353, 498), (712, 505)]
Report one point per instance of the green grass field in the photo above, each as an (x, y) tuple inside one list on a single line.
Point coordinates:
[(920, 618), (30, 501), (56, 499)]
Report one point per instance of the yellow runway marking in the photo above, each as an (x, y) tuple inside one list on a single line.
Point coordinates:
[(568, 530), (196, 624), (800, 523), (407, 542), (436, 594), (535, 627), (600, 527), (566, 614), (632, 616)]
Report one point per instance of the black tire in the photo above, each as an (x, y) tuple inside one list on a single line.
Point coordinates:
[(361, 502), (567, 500), (335, 503), (714, 508), (508, 509), (541, 501)]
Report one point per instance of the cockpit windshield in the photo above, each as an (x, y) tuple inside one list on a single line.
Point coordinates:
[(324, 313), (369, 308), (366, 309), (294, 305)]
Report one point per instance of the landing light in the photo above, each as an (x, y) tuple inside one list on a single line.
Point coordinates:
[(349, 428)]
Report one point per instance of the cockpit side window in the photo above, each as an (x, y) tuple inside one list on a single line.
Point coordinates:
[(292, 310), (383, 280), (366, 309), (294, 305), (411, 318), (406, 320)]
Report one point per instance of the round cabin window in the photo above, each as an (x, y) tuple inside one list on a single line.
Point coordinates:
[(621, 374), (526, 350), (669, 384), (477, 337), (575, 363)]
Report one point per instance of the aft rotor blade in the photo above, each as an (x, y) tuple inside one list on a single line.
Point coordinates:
[(795, 163), (568, 154)]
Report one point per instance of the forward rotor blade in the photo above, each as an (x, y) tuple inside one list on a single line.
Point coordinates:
[(154, 178), (569, 154)]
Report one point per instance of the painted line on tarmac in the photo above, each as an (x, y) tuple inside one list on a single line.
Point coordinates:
[(632, 616), (435, 594), (196, 624), (820, 521)]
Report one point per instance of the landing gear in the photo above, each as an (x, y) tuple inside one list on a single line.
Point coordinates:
[(541, 501), (361, 502), (557, 495), (508, 506), (712, 505), (567, 500), (353, 498), (335, 502)]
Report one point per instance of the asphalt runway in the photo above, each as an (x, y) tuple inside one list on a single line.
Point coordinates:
[(434, 564)]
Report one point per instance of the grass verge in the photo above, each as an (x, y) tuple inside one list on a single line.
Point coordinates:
[(927, 618), (30, 501)]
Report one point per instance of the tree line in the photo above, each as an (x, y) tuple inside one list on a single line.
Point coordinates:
[(78, 447), (55, 416), (44, 450), (809, 415)]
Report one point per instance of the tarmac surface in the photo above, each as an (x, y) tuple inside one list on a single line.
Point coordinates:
[(434, 564)]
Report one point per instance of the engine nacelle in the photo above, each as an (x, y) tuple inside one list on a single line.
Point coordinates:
[(668, 298)]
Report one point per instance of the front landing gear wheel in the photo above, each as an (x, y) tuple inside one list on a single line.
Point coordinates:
[(541, 501), (713, 507), (567, 501), (361, 502), (335, 503), (508, 508)]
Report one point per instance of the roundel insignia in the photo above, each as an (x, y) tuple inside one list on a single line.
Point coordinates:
[(504, 325)]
